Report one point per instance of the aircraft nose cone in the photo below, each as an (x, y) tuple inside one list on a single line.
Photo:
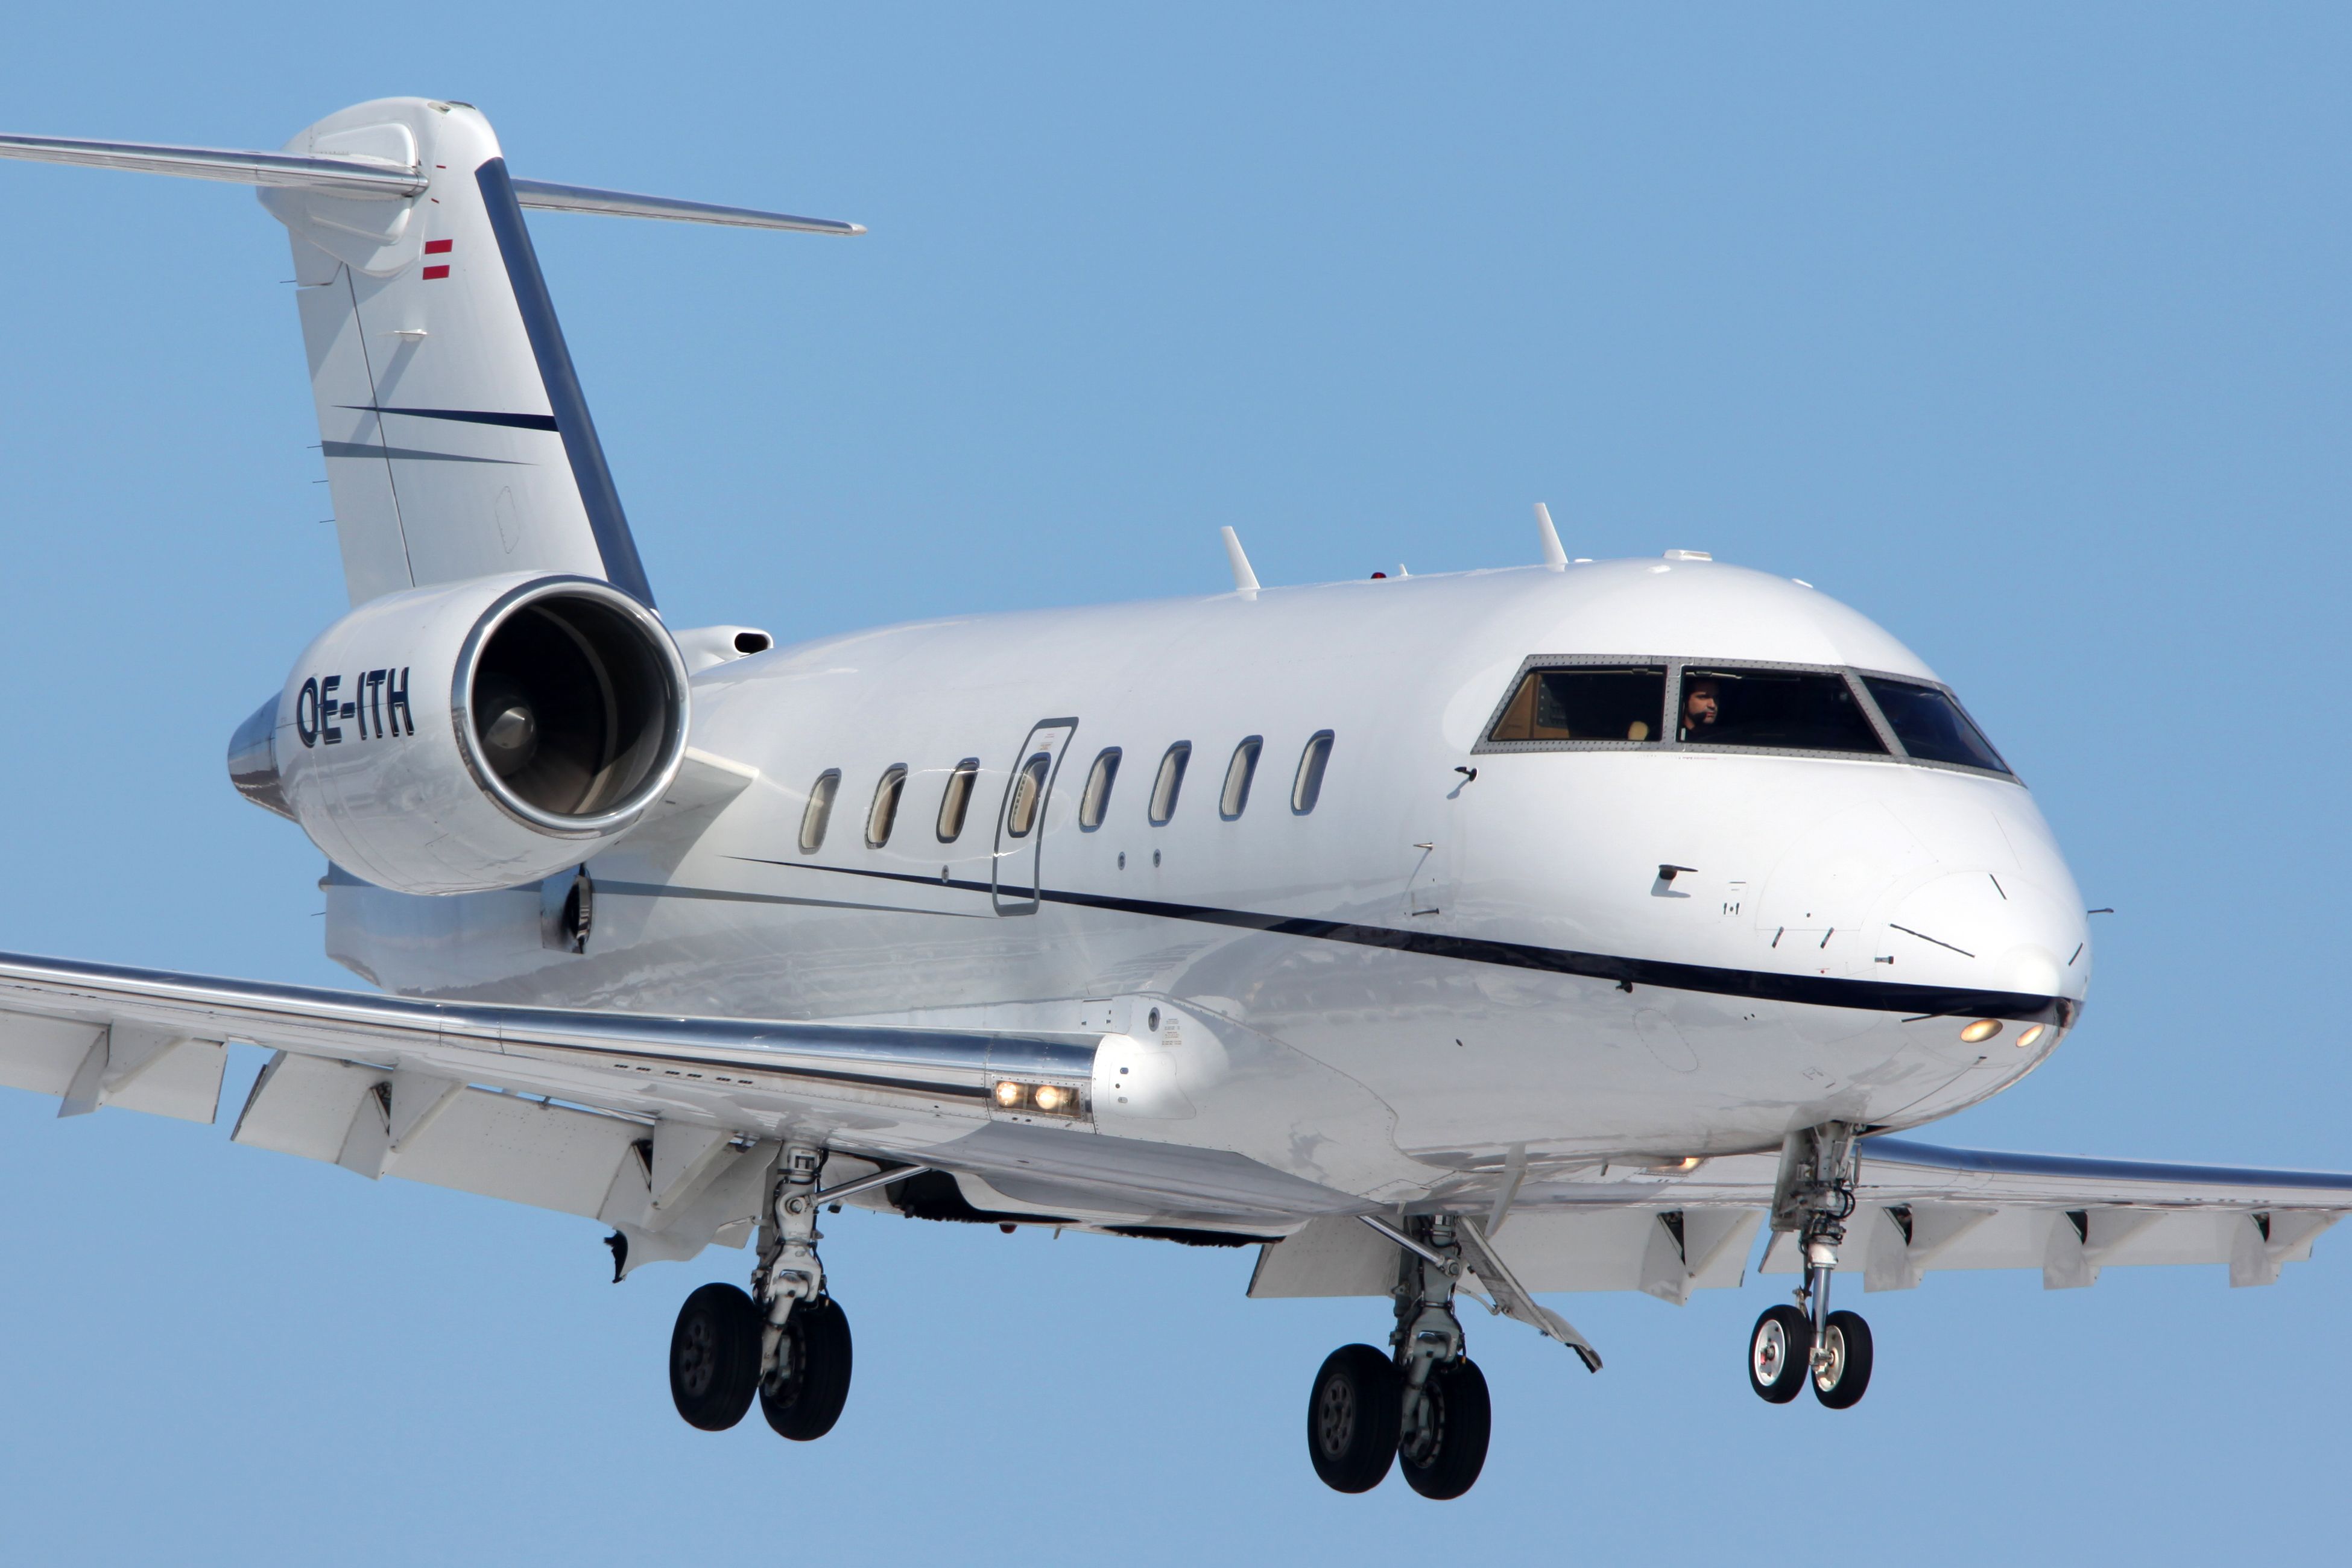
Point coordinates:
[(1991, 932)]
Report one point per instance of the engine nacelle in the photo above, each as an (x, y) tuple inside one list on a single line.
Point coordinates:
[(472, 735)]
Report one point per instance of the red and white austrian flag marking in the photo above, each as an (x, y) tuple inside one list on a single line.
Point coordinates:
[(438, 247)]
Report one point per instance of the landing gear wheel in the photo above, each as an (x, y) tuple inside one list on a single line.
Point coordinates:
[(1462, 1418), (714, 1357), (1844, 1375), (1779, 1353), (1353, 1418), (805, 1399)]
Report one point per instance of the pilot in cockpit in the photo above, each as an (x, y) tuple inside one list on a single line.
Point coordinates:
[(1701, 706)]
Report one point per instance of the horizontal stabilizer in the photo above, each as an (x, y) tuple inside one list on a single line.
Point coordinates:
[(348, 176), (542, 197), (355, 175)]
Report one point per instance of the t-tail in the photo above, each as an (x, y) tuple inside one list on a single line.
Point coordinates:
[(501, 701), (457, 440)]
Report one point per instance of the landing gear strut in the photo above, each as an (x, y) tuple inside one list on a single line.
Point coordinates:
[(1424, 1404), (1793, 1345), (787, 1342)]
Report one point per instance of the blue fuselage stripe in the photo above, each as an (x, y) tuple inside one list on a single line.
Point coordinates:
[(1761, 985)]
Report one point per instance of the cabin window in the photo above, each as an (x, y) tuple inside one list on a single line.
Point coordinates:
[(1168, 783), (1785, 710), (1931, 725), (1097, 798), (1307, 788), (1028, 793), (1585, 702), (819, 811), (1235, 796), (956, 800), (884, 812)]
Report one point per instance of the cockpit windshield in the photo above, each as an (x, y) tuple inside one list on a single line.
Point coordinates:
[(1576, 702), (1785, 710), (1585, 702), (1930, 724)]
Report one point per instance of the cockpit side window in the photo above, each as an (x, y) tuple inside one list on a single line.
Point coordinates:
[(1785, 710), (1931, 726), (1585, 702)]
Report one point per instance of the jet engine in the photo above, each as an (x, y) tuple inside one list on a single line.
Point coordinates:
[(472, 735)]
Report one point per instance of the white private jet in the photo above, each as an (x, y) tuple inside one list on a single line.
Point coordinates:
[(1505, 932)]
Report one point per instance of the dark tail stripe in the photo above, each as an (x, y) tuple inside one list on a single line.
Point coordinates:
[(405, 454), (467, 415), (623, 569), (1761, 985)]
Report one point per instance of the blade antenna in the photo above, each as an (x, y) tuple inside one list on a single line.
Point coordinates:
[(1245, 580), (1553, 555)]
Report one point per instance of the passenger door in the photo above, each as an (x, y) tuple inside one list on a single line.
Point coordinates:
[(1023, 820)]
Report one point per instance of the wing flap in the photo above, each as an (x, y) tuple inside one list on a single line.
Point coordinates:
[(739, 1074), (1925, 1208), (660, 1127)]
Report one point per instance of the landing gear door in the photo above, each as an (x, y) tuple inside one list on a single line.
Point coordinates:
[(1028, 815)]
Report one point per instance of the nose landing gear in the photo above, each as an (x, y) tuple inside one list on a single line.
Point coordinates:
[(1424, 1405), (1793, 1345), (1842, 1361), (788, 1342), (1780, 1354)]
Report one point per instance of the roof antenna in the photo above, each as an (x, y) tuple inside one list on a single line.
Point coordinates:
[(1245, 580), (1554, 557)]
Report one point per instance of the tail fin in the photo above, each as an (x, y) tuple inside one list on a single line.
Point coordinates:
[(458, 442)]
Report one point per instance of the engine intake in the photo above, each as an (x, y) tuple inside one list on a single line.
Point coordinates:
[(473, 735), (568, 708)]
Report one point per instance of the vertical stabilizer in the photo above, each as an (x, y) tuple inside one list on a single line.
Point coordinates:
[(456, 441)]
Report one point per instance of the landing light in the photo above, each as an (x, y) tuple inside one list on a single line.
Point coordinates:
[(2031, 1036), (1982, 1029), (1051, 1099)]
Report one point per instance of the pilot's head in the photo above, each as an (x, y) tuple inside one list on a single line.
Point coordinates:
[(1699, 703)]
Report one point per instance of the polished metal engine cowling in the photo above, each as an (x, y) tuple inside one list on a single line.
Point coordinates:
[(473, 735)]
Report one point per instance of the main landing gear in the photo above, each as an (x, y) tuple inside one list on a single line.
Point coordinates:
[(1793, 1345), (787, 1342), (1424, 1405)]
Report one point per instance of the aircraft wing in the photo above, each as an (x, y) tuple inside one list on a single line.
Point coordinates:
[(1925, 1208), (660, 1127), (1921, 1209)]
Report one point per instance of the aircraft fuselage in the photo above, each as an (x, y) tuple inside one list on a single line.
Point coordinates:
[(1478, 962)]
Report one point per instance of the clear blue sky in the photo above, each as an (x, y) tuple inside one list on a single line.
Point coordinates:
[(2022, 329)]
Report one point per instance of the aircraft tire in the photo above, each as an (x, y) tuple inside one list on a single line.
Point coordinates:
[(1780, 1354), (1842, 1383), (714, 1357), (805, 1405), (1466, 1419), (1353, 1415)]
